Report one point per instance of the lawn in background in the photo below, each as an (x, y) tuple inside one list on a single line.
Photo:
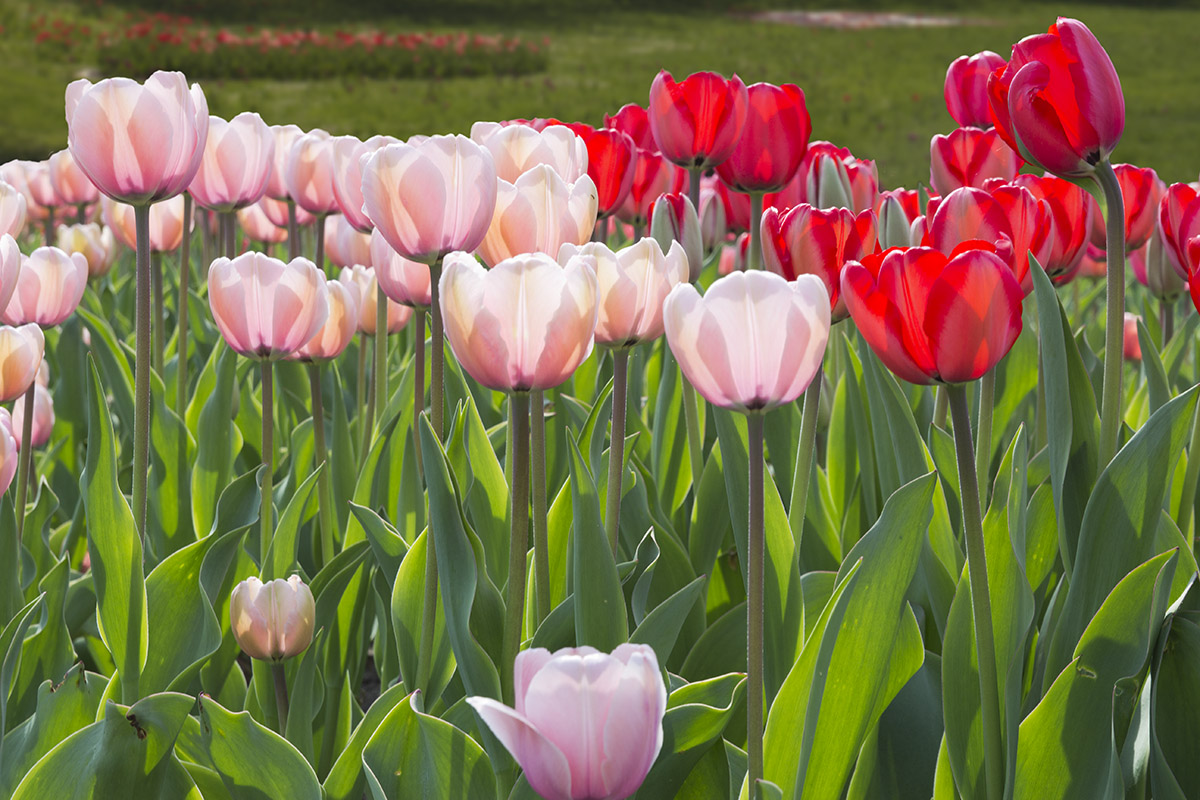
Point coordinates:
[(877, 91)]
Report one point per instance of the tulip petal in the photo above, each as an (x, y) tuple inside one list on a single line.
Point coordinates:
[(546, 767)]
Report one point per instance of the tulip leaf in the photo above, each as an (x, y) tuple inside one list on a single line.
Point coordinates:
[(660, 628), (388, 547), (346, 780), (484, 490), (220, 443), (112, 362), (11, 640), (1156, 377), (48, 653), (254, 762), (412, 754), (1175, 709), (668, 444), (408, 602), (600, 615), (281, 555), (172, 452)]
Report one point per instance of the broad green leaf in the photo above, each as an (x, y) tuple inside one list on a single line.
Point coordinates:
[(1175, 710), (254, 762), (48, 653), (386, 543), (668, 445), (281, 555), (11, 639), (485, 493), (661, 626), (408, 602), (219, 444), (346, 780), (172, 453), (600, 615)]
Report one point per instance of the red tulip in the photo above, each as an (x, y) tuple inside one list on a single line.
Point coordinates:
[(835, 178), (773, 141), (1071, 209), (697, 122), (652, 175), (1008, 217), (1141, 190), (1179, 221), (930, 317), (633, 120), (895, 211), (1132, 347), (611, 162), (966, 88), (968, 157), (1058, 101)]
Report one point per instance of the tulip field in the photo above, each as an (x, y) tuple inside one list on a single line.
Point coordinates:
[(673, 454)]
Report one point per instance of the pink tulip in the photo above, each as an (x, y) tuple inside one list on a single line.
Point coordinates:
[(72, 186), (237, 162), (37, 176), (754, 341), (50, 285), (586, 724), (430, 198), (403, 280), (16, 173), (285, 136), (516, 149), (525, 324), (139, 143), (10, 268), (264, 308), (632, 284), (12, 209), (969, 157), (21, 351), (166, 223), (277, 212), (8, 451), (349, 154), (308, 174), (258, 227), (362, 279), (539, 214), (274, 620), (339, 328), (345, 245), (1131, 345), (95, 244), (43, 417), (966, 88), (43, 374)]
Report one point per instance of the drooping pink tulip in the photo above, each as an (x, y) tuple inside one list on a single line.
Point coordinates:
[(363, 281), (346, 245), (139, 143), (274, 620), (72, 186), (10, 268), (264, 308), (8, 451), (966, 88), (258, 227), (94, 243), (285, 136), (277, 212), (50, 285), (539, 214), (238, 158), (772, 142), (586, 724), (21, 350), (339, 328), (525, 324), (403, 280), (12, 210), (349, 155), (754, 341), (516, 149), (697, 121), (431, 198), (969, 157), (43, 418), (308, 173), (166, 223)]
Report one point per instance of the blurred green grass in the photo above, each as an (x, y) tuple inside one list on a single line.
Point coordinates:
[(877, 91)]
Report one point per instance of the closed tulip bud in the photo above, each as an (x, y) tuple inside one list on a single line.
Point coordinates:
[(403, 280), (1154, 271), (264, 308), (308, 173), (772, 142), (895, 227), (633, 120), (139, 143), (95, 244), (8, 451), (969, 157), (349, 154), (586, 724), (237, 162), (49, 287), (258, 227), (166, 223), (43, 417), (12, 210), (516, 149), (673, 220), (71, 185), (362, 280), (829, 184), (21, 351), (712, 222), (753, 342), (525, 324), (539, 214), (697, 122), (966, 88), (285, 136), (339, 328), (274, 620), (834, 178), (345, 245), (735, 204), (1132, 348)]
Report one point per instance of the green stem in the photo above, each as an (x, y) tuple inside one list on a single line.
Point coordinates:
[(48, 229), (159, 331), (360, 394), (514, 606), (230, 224), (25, 462), (206, 244), (1187, 500), (319, 257), (1167, 313), (616, 447), (755, 547), (142, 367), (983, 438), (381, 352), (694, 192), (691, 419), (981, 602), (81, 212), (369, 420), (437, 366), (418, 323), (541, 537), (293, 231), (802, 476), (281, 695), (754, 257), (181, 311), (268, 453), (1114, 321), (320, 456)]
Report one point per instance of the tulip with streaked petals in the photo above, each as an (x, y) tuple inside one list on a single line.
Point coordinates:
[(339, 328), (634, 121), (1071, 209), (1178, 222), (403, 280), (12, 209), (285, 136), (968, 157), (430, 198), (653, 175), (43, 417), (363, 281), (773, 140), (697, 121), (21, 350), (1142, 191), (238, 158), (308, 173), (166, 223), (8, 451), (50, 285), (894, 222), (346, 245), (673, 218), (349, 154), (72, 186), (258, 227), (1008, 217), (836, 179), (274, 620), (516, 149), (264, 308), (586, 724), (632, 283), (139, 143), (525, 324), (94, 243), (966, 88), (735, 204), (539, 214), (753, 342)]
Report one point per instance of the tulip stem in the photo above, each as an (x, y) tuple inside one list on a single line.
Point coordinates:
[(360, 395), (159, 331), (418, 322), (754, 602), (48, 228), (268, 448), (181, 313), (983, 437), (369, 419), (1167, 313), (319, 258), (754, 257), (694, 187), (381, 352), (437, 383), (320, 457), (541, 538), (1114, 321), (981, 602), (514, 605), (142, 367), (279, 677), (293, 231), (804, 458), (1187, 499), (691, 419), (25, 464), (230, 224), (616, 446)]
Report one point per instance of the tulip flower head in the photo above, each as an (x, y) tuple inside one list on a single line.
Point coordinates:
[(516, 149), (71, 185), (772, 142), (1071, 213), (653, 175), (277, 212), (339, 328), (8, 451), (402, 280), (274, 620), (346, 245), (12, 209), (1154, 271), (285, 136), (1142, 191), (539, 214), (21, 350), (49, 287), (1009, 218), (966, 88), (258, 227), (673, 219), (586, 724), (10, 268), (611, 160), (361, 280), (308, 174), (697, 122), (238, 158), (349, 154), (1131, 346), (94, 243), (634, 121), (43, 417), (969, 157), (166, 223)]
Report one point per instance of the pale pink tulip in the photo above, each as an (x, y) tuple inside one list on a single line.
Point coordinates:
[(285, 136), (516, 149), (754, 341), (16, 173), (10, 268), (8, 451), (432, 197), (403, 280), (258, 227), (339, 328), (349, 155), (43, 374), (277, 212), (308, 174), (72, 186), (21, 352), (363, 280), (139, 143), (166, 223), (50, 285), (632, 284), (264, 308), (237, 161), (40, 189), (274, 620), (525, 324), (539, 214), (43, 417), (586, 724), (94, 243), (12, 209), (346, 246)]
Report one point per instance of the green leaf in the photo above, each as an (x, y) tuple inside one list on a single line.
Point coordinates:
[(172, 453), (668, 445), (220, 443), (1156, 376), (281, 555), (483, 488), (408, 602), (661, 626), (386, 543), (346, 780), (11, 640), (254, 763), (600, 615), (1175, 710), (48, 653)]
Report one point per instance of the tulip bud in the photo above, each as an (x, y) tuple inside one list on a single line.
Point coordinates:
[(1153, 269), (894, 227), (273, 620), (673, 219), (829, 184), (712, 222)]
